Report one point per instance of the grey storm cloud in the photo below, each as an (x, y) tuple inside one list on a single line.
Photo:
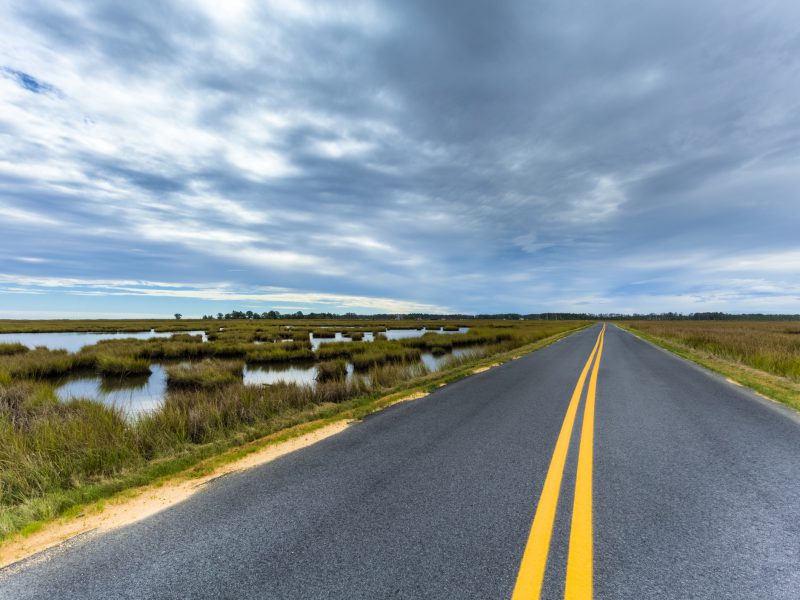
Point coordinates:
[(471, 156)]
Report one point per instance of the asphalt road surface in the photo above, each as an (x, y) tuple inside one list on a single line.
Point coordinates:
[(666, 482)]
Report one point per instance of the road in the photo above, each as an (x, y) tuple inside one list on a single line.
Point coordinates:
[(668, 483)]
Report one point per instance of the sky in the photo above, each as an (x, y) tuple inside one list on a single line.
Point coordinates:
[(415, 156)]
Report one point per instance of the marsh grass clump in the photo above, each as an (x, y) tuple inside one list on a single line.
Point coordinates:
[(340, 350), (356, 336), (388, 376), (324, 334), (122, 366), (331, 370), (7, 349), (204, 374), (289, 351), (382, 354), (186, 337), (193, 415), (451, 362), (39, 363)]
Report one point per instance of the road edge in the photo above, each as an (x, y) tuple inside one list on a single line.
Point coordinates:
[(770, 390)]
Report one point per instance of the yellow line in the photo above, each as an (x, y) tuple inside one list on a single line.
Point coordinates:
[(534, 559), (579, 563)]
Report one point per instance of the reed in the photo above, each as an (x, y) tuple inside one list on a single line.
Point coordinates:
[(331, 370)]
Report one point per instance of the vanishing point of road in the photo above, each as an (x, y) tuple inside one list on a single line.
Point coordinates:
[(599, 466)]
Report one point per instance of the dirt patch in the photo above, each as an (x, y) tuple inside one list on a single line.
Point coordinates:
[(134, 506), (482, 369), (414, 396)]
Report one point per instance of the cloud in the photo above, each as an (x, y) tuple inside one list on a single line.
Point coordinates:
[(220, 292), (524, 158)]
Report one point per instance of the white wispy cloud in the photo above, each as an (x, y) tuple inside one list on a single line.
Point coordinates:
[(219, 293)]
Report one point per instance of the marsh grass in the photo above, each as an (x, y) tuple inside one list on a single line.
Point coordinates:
[(185, 337), (275, 353), (122, 366), (324, 334), (340, 350), (205, 374), (41, 363), (773, 347), (331, 370), (380, 355), (47, 445), (12, 348), (56, 454)]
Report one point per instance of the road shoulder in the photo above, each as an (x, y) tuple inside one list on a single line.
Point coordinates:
[(762, 385)]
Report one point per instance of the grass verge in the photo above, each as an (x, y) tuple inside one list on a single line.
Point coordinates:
[(771, 386)]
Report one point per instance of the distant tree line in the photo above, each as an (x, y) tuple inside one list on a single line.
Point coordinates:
[(549, 316)]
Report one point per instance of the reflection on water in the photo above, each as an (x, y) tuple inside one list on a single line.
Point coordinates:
[(74, 341), (137, 395), (434, 363), (267, 374), (391, 334), (134, 395)]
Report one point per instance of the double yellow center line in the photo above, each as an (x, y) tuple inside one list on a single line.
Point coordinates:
[(579, 562)]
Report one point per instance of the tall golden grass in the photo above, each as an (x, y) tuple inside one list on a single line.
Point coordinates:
[(771, 346)]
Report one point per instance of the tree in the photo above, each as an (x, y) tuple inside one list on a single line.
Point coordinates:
[(178, 316)]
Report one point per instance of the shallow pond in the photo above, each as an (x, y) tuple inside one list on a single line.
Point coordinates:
[(136, 395), (391, 334), (74, 341)]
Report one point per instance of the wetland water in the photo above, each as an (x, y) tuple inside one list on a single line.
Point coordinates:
[(74, 341), (391, 334), (136, 395)]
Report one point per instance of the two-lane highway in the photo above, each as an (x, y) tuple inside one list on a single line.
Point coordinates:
[(599, 465)]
